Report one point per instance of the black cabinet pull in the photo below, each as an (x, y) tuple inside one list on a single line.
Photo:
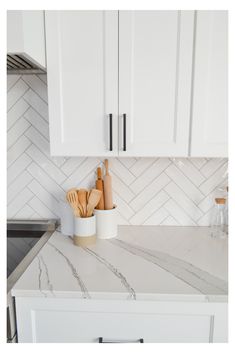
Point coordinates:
[(140, 340), (110, 132), (124, 132)]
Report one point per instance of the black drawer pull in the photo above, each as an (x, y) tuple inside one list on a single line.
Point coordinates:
[(124, 132), (101, 340), (110, 132)]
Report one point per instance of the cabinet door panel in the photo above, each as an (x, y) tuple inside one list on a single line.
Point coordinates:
[(86, 328), (209, 118), (82, 62), (155, 65)]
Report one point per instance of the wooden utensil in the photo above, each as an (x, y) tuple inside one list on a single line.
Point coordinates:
[(87, 196), (108, 197), (93, 200), (72, 199), (100, 186), (82, 200)]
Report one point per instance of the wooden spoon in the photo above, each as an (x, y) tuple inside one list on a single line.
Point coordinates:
[(82, 200), (72, 199), (93, 200)]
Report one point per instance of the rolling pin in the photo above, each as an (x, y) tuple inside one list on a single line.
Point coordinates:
[(108, 197), (100, 186)]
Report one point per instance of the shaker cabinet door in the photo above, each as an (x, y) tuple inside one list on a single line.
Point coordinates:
[(209, 109), (155, 67), (82, 67)]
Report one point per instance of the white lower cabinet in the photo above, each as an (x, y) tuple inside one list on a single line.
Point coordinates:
[(73, 320)]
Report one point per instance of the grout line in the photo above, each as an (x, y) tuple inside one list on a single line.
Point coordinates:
[(34, 160), (183, 210), (42, 203), (165, 218), (47, 156), (173, 217), (211, 177), (155, 177), (191, 181), (19, 138), (75, 169), (193, 201), (35, 110), (14, 84), (22, 115), (46, 102), (35, 179), (158, 210), (21, 97), (217, 168), (158, 176), (126, 168), (197, 187), (155, 160), (9, 165), (126, 202), (50, 194), (25, 203), (38, 131)]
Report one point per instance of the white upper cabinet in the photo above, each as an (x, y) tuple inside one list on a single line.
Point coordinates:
[(137, 83), (155, 67), (209, 113), (26, 35), (82, 68)]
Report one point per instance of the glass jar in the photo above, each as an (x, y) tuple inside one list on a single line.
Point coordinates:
[(218, 223)]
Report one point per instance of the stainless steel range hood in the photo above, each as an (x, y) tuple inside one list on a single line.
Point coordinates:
[(20, 64), (26, 47)]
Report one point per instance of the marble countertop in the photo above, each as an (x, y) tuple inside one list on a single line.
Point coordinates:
[(142, 263)]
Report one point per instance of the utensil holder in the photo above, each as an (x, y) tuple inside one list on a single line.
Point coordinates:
[(84, 231), (106, 223)]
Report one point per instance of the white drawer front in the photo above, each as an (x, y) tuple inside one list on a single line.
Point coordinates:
[(67, 326)]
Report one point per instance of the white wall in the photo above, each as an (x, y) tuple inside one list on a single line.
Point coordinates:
[(147, 190)]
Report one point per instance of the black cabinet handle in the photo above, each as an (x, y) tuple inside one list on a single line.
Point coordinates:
[(140, 340), (110, 132), (124, 132)]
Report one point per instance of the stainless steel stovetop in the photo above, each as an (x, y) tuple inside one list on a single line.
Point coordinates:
[(24, 240)]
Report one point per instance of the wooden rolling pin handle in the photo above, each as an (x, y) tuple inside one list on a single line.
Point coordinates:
[(100, 186), (108, 198)]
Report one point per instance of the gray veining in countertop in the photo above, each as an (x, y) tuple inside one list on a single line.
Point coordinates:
[(142, 263)]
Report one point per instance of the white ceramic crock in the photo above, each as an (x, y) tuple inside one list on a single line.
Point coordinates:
[(106, 223), (84, 230)]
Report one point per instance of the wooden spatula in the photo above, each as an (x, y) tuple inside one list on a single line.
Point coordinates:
[(108, 197), (93, 200), (72, 199), (100, 186), (82, 200)]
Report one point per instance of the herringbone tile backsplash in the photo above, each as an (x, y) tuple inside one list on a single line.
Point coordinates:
[(166, 191)]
